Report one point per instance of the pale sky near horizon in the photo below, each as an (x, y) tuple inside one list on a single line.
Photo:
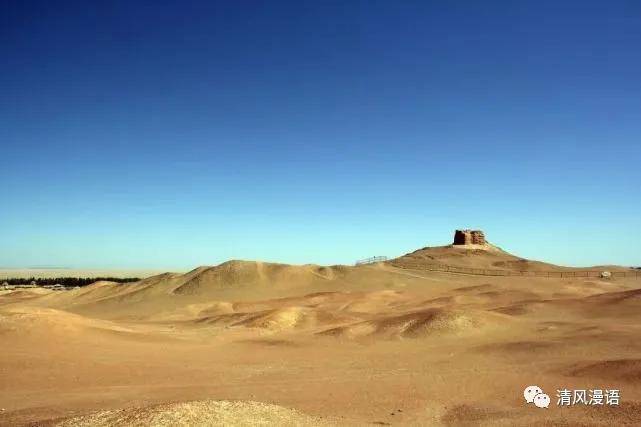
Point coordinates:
[(168, 135)]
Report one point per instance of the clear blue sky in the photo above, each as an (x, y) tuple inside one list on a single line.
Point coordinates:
[(163, 134)]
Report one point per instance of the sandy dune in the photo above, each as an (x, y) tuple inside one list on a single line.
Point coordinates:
[(250, 343)]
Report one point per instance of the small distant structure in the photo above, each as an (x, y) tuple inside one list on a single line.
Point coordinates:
[(469, 237), (605, 275), (6, 286), (32, 284), (371, 260)]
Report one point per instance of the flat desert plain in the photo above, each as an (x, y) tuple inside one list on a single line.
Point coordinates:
[(393, 343)]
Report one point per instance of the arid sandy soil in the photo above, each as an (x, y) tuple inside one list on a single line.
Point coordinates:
[(246, 343)]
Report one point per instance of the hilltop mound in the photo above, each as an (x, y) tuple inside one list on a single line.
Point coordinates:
[(484, 256), (252, 273), (471, 250)]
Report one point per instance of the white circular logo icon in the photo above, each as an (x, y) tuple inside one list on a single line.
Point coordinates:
[(530, 393), (542, 400)]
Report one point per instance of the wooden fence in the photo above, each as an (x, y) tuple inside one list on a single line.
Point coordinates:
[(529, 273)]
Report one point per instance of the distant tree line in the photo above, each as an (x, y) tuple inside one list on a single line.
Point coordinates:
[(69, 282)]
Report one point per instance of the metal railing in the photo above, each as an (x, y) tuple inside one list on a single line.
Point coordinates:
[(371, 260)]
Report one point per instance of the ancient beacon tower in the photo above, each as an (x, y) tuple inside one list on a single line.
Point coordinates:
[(469, 237)]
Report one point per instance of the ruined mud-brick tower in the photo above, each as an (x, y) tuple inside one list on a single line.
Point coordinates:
[(469, 237)]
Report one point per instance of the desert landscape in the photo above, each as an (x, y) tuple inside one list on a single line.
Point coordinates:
[(320, 213), (399, 342)]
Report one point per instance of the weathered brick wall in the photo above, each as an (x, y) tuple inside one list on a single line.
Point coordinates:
[(469, 237)]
